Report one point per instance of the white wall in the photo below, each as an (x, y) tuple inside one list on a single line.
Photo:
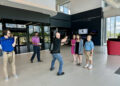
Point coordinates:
[(46, 4), (78, 6)]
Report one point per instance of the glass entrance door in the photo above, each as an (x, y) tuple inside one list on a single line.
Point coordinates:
[(21, 46)]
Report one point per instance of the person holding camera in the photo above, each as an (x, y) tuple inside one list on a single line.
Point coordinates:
[(8, 43)]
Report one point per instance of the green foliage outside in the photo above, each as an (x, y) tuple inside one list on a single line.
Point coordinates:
[(112, 35)]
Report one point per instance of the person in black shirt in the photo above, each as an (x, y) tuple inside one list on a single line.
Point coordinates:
[(79, 49), (57, 42)]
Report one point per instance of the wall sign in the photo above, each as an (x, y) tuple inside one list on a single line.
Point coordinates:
[(83, 31)]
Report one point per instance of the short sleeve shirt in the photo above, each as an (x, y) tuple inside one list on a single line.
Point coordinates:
[(35, 39), (7, 44), (89, 45)]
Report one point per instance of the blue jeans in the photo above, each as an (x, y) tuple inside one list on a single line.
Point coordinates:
[(57, 56), (36, 50)]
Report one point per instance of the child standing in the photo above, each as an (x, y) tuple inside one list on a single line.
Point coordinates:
[(89, 48)]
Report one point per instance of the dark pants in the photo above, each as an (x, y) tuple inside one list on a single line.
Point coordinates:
[(36, 50)]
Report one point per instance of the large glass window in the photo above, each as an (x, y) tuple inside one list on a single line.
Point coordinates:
[(47, 36), (33, 29), (36, 28), (65, 8), (108, 27), (117, 26), (44, 34), (113, 27), (31, 32), (21, 43), (9, 25), (21, 26), (61, 8), (46, 30)]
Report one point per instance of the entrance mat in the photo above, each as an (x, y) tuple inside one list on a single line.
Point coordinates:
[(118, 71)]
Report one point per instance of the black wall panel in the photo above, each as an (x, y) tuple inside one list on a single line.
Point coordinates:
[(25, 15), (91, 20), (61, 20)]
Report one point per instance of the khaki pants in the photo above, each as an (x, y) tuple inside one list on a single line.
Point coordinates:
[(9, 57), (88, 55)]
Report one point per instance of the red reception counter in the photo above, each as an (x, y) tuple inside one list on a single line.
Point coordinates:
[(113, 47)]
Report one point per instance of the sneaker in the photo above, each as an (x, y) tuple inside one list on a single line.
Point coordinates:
[(90, 67), (6, 79), (51, 69), (86, 66), (16, 76), (60, 74)]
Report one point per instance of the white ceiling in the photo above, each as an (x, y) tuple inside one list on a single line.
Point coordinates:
[(61, 1), (113, 9), (114, 3)]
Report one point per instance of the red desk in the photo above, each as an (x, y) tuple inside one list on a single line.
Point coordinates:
[(113, 47)]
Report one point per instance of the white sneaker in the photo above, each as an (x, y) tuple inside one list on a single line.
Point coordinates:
[(86, 66), (16, 76), (6, 79), (90, 67)]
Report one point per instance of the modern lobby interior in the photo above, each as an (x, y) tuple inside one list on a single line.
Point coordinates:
[(99, 18)]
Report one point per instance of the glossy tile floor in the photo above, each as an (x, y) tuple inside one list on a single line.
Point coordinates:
[(38, 74)]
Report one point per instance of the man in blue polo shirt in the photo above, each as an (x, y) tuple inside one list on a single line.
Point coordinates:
[(8, 43)]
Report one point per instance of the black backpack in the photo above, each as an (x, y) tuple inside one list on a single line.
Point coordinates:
[(51, 45)]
